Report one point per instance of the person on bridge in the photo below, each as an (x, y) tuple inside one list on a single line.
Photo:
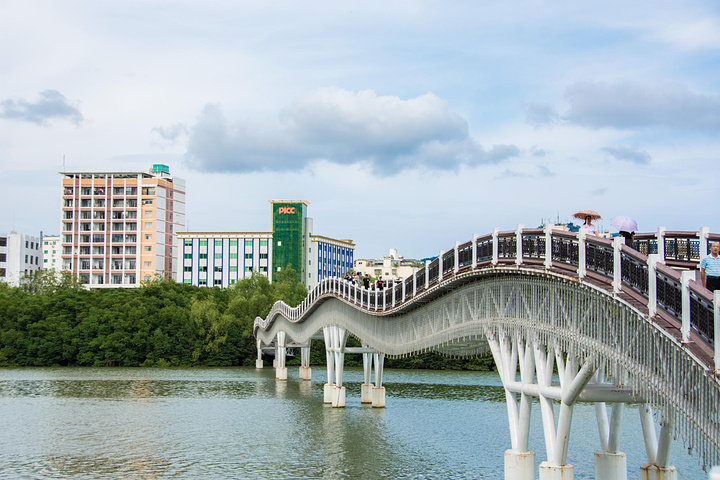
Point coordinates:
[(366, 282), (710, 268), (589, 226), (380, 284)]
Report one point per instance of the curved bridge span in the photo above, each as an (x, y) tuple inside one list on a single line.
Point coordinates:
[(568, 319)]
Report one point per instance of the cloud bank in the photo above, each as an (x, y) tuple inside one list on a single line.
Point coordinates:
[(630, 105), (343, 127), (52, 105)]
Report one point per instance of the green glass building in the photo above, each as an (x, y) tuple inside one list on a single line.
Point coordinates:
[(289, 227)]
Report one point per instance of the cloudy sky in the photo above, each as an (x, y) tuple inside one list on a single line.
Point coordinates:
[(405, 124)]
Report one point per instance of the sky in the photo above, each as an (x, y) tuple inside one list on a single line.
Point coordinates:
[(405, 124)]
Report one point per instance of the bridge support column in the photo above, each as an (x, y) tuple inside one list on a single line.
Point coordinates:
[(335, 339), (519, 465), (258, 360), (330, 365), (556, 472), (653, 472), (610, 466), (305, 371), (280, 369), (366, 387), (658, 453), (378, 391)]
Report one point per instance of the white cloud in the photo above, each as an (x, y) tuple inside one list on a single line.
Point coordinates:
[(343, 127), (51, 106), (628, 154)]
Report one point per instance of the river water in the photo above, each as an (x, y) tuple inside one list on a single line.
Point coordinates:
[(87, 423)]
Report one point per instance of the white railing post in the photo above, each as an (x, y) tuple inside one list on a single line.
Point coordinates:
[(714, 473), (548, 245), (474, 250), (716, 338), (617, 263), (582, 253), (440, 266), (685, 277), (427, 274), (518, 244), (457, 258), (384, 297), (403, 289), (703, 236), (652, 262), (361, 296), (415, 284), (660, 239), (496, 230)]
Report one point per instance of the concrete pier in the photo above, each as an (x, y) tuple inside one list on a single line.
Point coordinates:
[(556, 472), (610, 466), (519, 465), (653, 472)]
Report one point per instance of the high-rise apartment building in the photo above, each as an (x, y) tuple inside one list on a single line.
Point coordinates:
[(118, 228), (20, 256), (52, 250)]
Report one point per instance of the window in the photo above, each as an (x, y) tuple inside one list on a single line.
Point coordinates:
[(148, 224), (202, 282), (218, 243), (233, 243), (279, 243), (218, 256), (148, 236), (233, 269), (188, 255), (263, 256), (147, 264), (187, 269), (148, 248), (148, 213), (248, 256), (248, 242), (218, 269), (203, 243), (203, 256), (248, 269), (188, 242), (218, 282), (203, 269), (147, 201), (263, 242), (186, 280), (233, 256)]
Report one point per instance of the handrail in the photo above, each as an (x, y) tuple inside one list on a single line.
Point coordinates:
[(645, 273)]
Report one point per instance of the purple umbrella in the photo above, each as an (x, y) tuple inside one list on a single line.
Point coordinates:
[(624, 224)]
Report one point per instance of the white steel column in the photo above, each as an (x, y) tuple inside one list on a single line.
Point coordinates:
[(685, 277), (305, 371), (280, 369), (258, 360), (366, 387), (330, 359), (378, 391), (582, 256), (518, 244), (519, 461), (339, 336), (548, 245), (618, 242), (658, 453)]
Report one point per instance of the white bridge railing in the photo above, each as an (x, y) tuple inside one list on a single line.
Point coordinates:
[(645, 274)]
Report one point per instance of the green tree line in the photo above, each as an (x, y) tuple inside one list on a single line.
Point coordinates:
[(53, 321)]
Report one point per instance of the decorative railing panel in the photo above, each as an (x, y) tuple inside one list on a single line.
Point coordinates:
[(465, 254), (533, 244), (507, 245), (635, 273), (484, 248), (448, 263), (599, 258), (565, 250), (433, 271)]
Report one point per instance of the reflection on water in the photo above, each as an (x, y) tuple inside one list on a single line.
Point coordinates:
[(242, 423)]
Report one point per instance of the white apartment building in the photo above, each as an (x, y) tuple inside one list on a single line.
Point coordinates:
[(390, 267), (118, 228), (20, 255), (52, 253)]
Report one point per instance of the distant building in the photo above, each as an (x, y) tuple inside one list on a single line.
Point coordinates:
[(118, 228), (52, 249), (20, 256), (220, 259), (391, 266)]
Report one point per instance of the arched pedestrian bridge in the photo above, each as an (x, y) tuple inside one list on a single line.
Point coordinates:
[(568, 318)]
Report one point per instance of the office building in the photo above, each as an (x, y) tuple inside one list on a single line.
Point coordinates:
[(118, 228)]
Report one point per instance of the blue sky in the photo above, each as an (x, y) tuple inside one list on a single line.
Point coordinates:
[(407, 125)]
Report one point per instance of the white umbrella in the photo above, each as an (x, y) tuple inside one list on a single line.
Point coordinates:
[(624, 224)]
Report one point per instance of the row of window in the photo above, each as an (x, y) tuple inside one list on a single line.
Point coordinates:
[(219, 256), (233, 242)]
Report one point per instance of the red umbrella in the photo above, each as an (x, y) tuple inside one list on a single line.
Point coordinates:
[(582, 214)]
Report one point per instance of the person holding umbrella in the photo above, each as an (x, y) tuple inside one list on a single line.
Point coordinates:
[(627, 227), (588, 216)]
